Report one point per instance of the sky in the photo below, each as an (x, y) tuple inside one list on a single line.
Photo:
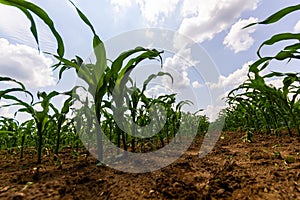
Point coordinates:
[(215, 59)]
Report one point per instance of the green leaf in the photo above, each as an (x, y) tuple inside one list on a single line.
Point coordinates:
[(12, 80), (282, 55), (182, 103), (84, 18), (81, 71), (6, 132), (254, 67), (152, 76), (33, 28), (287, 81), (98, 46), (280, 14), (24, 6), (293, 47), (132, 63), (119, 79), (272, 74), (4, 92), (66, 107), (118, 62), (278, 38), (19, 102), (277, 16)]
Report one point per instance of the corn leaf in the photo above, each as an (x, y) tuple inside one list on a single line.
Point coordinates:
[(98, 46), (277, 16), (25, 7), (152, 76), (281, 37)]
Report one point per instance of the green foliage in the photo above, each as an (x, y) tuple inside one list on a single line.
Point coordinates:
[(278, 15), (51, 128), (254, 105)]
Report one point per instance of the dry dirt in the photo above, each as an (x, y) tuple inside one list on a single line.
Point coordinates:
[(268, 168)]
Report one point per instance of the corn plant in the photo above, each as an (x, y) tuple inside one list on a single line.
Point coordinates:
[(61, 118), (16, 135), (101, 79), (9, 133), (10, 127), (138, 104), (263, 107), (41, 118), (26, 131)]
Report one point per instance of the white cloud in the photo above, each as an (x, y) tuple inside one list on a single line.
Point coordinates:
[(239, 39), (180, 76), (157, 90), (118, 5), (212, 112), (177, 66), (275, 82), (297, 27), (196, 84), (155, 11), (229, 82), (232, 80), (5, 112), (203, 19), (25, 64), (198, 19)]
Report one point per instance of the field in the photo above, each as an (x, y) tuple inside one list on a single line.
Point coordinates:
[(48, 154), (267, 168)]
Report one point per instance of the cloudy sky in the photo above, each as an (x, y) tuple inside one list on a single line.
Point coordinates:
[(215, 26)]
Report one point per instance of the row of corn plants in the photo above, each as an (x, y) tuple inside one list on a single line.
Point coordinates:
[(44, 127), (114, 99), (258, 106)]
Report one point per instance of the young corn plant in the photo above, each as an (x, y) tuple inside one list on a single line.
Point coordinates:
[(41, 118), (26, 130), (61, 118), (9, 133), (101, 79), (261, 106), (137, 101), (10, 127)]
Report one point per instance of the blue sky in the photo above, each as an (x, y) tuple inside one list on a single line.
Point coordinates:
[(213, 25)]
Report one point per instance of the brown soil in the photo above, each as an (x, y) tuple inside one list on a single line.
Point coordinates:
[(268, 168)]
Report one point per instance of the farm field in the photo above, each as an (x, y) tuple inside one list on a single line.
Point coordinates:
[(267, 168), (46, 149)]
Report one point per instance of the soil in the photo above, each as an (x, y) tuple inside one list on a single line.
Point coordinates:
[(267, 168)]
